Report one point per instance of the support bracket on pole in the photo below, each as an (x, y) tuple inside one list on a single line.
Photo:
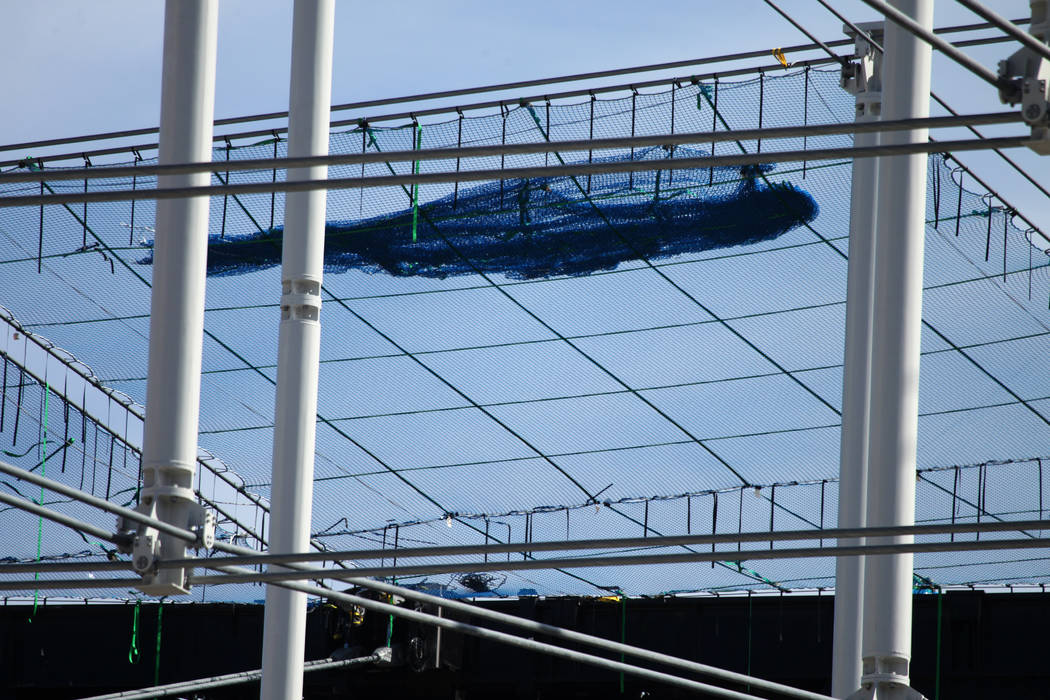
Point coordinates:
[(1025, 80), (145, 542), (862, 77)]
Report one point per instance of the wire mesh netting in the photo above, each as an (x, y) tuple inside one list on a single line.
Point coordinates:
[(561, 357)]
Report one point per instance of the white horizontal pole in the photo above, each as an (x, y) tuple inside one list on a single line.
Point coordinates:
[(466, 152), (567, 170), (228, 679)]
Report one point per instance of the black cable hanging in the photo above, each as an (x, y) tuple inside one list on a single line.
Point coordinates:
[(65, 419), (1040, 462), (645, 519), (714, 521), (670, 151), (18, 404), (1028, 236), (87, 164), (936, 195), (634, 108), (225, 197), (3, 396), (94, 459), (134, 184), (40, 242), (714, 128), (83, 437), (988, 236), (740, 519), (487, 539), (502, 157), (590, 153), (528, 533), (688, 515), (273, 179), (761, 104), (459, 144), (823, 487), (980, 496), (109, 473), (547, 154), (958, 203), (805, 115), (772, 509), (364, 147), (1007, 215)]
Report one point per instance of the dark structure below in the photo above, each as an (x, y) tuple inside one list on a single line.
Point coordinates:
[(990, 645)]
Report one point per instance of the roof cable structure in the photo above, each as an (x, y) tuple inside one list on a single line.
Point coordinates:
[(651, 339)]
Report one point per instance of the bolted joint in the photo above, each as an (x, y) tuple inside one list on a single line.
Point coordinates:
[(301, 300), (1024, 79), (885, 677)]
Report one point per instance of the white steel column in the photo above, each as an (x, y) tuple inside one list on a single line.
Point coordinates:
[(863, 79), (299, 343), (177, 306), (895, 358)]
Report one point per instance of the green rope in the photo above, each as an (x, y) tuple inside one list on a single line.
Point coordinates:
[(390, 622), (156, 660), (415, 185), (40, 524), (133, 650)]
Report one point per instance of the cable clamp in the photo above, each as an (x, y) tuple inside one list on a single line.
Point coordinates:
[(1024, 78)]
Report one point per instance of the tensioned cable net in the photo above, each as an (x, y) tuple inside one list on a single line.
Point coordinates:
[(618, 355)]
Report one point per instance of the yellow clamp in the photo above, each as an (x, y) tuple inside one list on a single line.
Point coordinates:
[(779, 55)]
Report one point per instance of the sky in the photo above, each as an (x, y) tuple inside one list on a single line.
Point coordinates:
[(77, 67)]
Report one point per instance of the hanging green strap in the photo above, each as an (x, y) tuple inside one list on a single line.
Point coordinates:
[(415, 185), (156, 659), (133, 650)]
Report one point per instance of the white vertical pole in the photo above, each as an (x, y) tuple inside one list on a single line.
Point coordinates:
[(299, 343), (865, 84), (895, 357), (177, 305)]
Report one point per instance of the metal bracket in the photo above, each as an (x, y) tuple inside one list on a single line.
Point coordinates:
[(862, 77), (145, 546), (1025, 80)]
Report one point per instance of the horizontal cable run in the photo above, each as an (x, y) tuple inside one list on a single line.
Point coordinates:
[(500, 87), (651, 542), (730, 555), (734, 556), (435, 111), (89, 499), (1001, 23), (54, 516), (466, 152), (906, 22), (522, 173), (190, 687)]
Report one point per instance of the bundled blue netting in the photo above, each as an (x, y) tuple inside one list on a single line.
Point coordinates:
[(548, 226), (568, 357)]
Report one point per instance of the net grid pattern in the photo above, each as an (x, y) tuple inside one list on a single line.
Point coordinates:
[(630, 397)]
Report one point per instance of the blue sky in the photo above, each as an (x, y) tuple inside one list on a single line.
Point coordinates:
[(84, 67)]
